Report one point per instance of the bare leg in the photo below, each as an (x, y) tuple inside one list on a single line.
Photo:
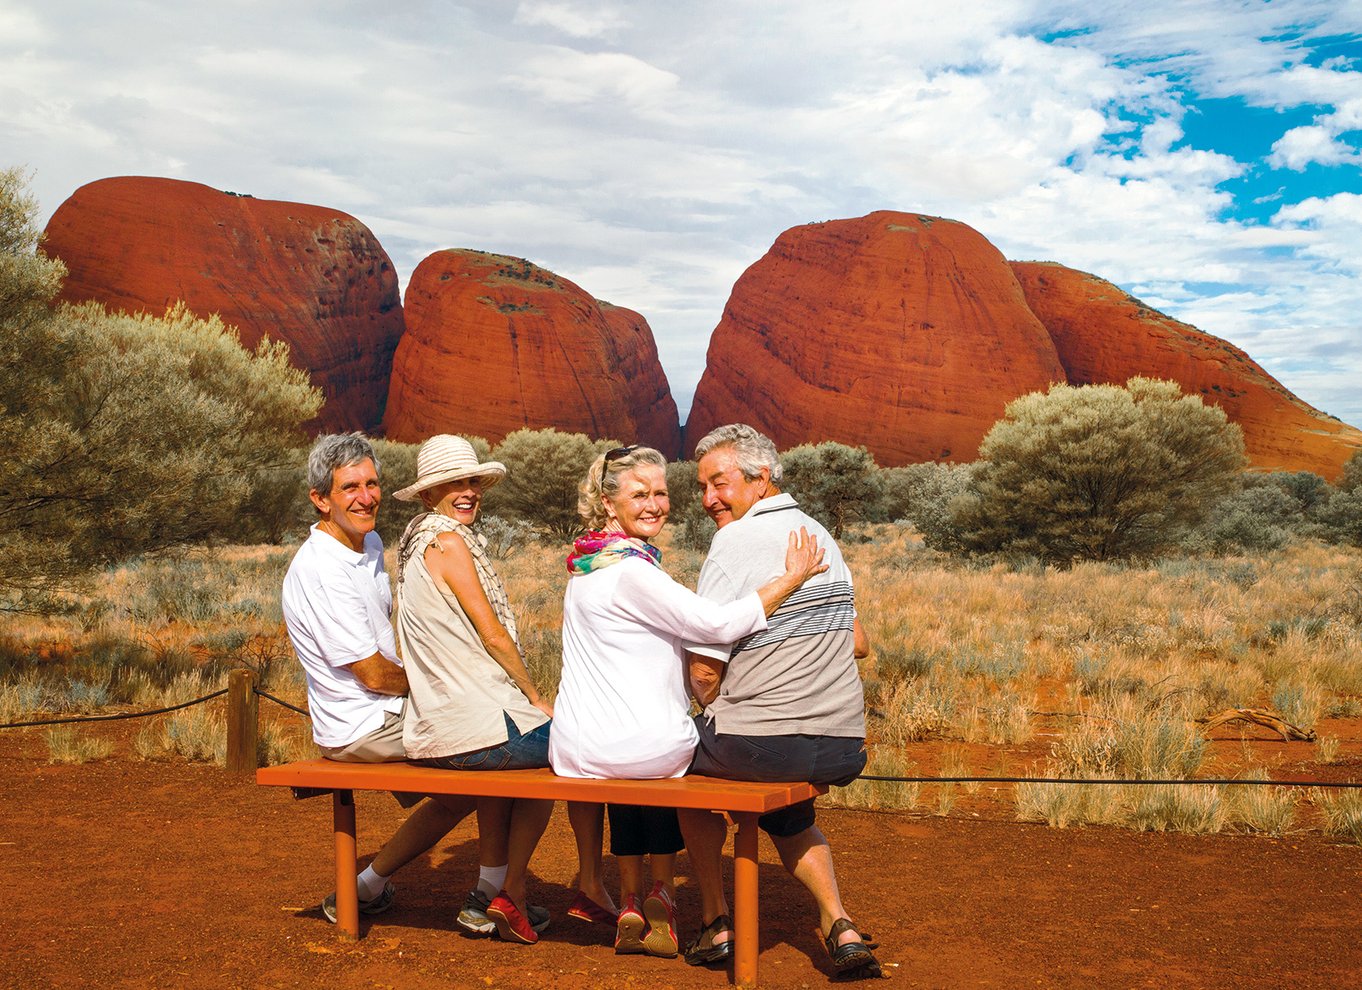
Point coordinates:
[(631, 877), (662, 867), (588, 826), (528, 821), (494, 828), (808, 858), (705, 834), (430, 822)]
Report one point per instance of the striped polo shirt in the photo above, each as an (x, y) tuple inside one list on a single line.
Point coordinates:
[(799, 675)]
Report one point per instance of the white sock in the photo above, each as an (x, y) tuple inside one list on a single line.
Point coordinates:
[(491, 879), (370, 884)]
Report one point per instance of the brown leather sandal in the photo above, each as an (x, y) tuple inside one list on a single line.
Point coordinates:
[(704, 951), (853, 956)]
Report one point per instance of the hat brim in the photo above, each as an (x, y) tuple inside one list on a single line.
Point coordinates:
[(492, 472)]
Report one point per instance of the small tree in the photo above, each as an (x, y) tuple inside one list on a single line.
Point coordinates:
[(833, 483), (543, 470), (123, 435), (1351, 478), (925, 495), (1099, 472)]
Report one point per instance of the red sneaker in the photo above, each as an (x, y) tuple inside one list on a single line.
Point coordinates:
[(658, 908), (629, 928), (586, 909), (511, 924)]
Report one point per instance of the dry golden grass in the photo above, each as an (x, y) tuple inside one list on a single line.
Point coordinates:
[(1098, 670)]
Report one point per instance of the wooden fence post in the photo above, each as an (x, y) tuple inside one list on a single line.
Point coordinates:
[(243, 721)]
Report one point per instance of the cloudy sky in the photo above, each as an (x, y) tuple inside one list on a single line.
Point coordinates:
[(1205, 155)]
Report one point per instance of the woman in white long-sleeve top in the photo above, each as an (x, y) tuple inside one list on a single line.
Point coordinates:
[(623, 709)]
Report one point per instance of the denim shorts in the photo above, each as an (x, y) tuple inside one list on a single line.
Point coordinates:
[(827, 760), (519, 752)]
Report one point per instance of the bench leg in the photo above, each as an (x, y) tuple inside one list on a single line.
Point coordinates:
[(347, 890), (745, 900)]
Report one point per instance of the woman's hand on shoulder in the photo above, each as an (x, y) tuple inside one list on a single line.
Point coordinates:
[(803, 556)]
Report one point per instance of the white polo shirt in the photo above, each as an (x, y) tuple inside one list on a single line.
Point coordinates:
[(337, 605)]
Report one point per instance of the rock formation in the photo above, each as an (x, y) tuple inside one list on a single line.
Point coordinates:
[(314, 277), (495, 343), (905, 333), (1103, 335)]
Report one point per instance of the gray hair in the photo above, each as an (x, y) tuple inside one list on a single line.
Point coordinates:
[(603, 479), (337, 450), (752, 450)]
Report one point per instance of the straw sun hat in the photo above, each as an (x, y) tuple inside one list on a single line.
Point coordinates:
[(448, 458)]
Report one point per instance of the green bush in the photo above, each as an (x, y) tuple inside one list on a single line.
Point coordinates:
[(126, 434), (1098, 472), (543, 470), (924, 494), (833, 483)]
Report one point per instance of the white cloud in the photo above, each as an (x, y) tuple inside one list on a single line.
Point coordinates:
[(576, 19), (651, 152)]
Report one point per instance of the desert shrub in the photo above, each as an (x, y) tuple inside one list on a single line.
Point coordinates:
[(1098, 472), (924, 494), (543, 470), (832, 482), (1262, 807), (127, 434), (65, 744), (688, 518), (1342, 811), (1350, 478), (1340, 518)]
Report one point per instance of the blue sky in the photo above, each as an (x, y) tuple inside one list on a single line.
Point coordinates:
[(1205, 156)]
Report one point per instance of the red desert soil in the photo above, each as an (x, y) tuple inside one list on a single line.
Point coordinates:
[(124, 873)]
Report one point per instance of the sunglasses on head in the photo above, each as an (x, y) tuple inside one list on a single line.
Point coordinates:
[(615, 455)]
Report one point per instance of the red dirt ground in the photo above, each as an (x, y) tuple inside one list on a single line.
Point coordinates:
[(124, 873)]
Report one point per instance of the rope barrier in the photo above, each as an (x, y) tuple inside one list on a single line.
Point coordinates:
[(282, 703), (1109, 780), (1208, 781), (117, 717)]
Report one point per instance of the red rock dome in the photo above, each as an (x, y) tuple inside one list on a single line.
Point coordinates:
[(907, 334), (494, 344), (1106, 336), (314, 277)]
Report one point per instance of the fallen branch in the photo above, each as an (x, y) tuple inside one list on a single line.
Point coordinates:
[(1258, 716)]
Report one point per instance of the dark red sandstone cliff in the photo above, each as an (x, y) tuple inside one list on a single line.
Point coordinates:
[(1104, 335), (905, 333), (495, 343), (311, 276)]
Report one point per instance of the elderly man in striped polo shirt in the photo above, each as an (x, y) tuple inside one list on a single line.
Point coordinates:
[(781, 705)]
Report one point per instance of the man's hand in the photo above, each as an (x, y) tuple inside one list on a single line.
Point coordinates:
[(380, 675)]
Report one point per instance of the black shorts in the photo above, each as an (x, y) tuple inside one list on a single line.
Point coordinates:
[(826, 760), (638, 831)]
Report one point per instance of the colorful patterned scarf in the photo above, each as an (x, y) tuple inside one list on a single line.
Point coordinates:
[(596, 550)]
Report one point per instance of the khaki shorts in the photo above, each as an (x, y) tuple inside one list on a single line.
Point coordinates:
[(383, 745)]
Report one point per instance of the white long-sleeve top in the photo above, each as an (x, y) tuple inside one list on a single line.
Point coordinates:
[(622, 708)]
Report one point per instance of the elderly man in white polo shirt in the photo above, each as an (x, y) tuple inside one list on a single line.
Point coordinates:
[(336, 605), (784, 704)]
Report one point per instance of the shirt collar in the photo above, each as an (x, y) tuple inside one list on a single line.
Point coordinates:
[(333, 547), (773, 503)]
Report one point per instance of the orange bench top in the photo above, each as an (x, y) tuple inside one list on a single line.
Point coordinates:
[(708, 793)]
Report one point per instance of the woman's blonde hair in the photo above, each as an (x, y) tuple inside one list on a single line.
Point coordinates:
[(603, 479)]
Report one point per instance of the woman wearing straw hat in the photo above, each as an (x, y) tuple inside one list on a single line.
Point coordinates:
[(472, 704), (623, 708)]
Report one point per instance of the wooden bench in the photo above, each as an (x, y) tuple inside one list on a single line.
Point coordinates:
[(744, 801)]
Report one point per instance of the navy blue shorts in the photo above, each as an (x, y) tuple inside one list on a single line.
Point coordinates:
[(519, 752), (827, 760)]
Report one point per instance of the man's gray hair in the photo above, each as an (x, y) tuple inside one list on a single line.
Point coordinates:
[(337, 450), (752, 450)]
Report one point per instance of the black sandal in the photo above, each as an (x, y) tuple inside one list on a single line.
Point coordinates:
[(853, 956), (704, 951)]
